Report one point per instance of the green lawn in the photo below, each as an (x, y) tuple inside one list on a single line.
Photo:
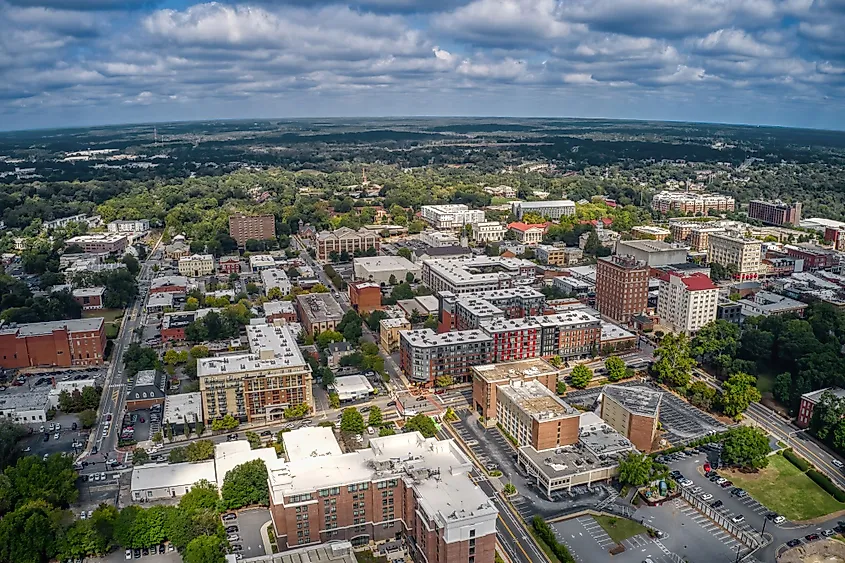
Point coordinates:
[(619, 528), (108, 314), (782, 487), (765, 382)]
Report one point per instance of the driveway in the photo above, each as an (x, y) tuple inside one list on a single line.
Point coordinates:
[(249, 525)]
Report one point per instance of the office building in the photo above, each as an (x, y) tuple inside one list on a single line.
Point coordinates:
[(487, 378), (318, 312), (527, 233), (775, 212), (261, 262), (89, 297), (389, 331), (364, 296), (485, 232), (450, 217), (425, 355), (535, 416), (691, 203), (551, 209), (251, 227), (436, 239), (259, 386), (686, 301), (621, 287), (275, 278), (400, 485), (477, 273), (766, 303), (380, 269), (112, 243), (650, 232), (346, 240), (653, 252), (136, 227), (196, 265), (75, 342), (633, 412), (741, 252), (810, 400), (27, 407)]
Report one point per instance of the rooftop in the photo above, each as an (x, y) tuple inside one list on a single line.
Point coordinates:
[(478, 307), (394, 322), (89, 291), (96, 237), (319, 307), (545, 204), (536, 400), (36, 329), (181, 406), (37, 398), (568, 318), (197, 258), (815, 396), (531, 367), (161, 475), (637, 400), (427, 337), (522, 292), (278, 307), (384, 263), (228, 455), (478, 269), (768, 302), (522, 227), (651, 229), (310, 442), (160, 300), (273, 277), (649, 246), (164, 281), (334, 552), (610, 331), (599, 437), (351, 385), (443, 251), (261, 260), (273, 347)]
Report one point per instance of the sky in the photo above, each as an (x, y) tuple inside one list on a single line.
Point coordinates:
[(67, 63)]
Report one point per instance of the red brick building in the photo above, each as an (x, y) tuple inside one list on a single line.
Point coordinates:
[(251, 227), (229, 265), (621, 287), (809, 401), (89, 297), (169, 284), (77, 342), (365, 296), (775, 212), (814, 257)]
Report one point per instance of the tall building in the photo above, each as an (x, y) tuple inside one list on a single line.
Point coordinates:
[(775, 212), (653, 252), (251, 227), (686, 302), (691, 203), (699, 237), (535, 416), (453, 216), (259, 386), (486, 379), (346, 240), (425, 355), (76, 342), (400, 485), (633, 412), (742, 253), (621, 287), (364, 296), (554, 209)]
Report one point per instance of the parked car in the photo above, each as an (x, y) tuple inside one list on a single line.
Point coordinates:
[(229, 517), (793, 543), (706, 496), (237, 547), (231, 529), (811, 537), (267, 433), (726, 484), (128, 554), (738, 518), (233, 537), (717, 504), (707, 467), (779, 519), (828, 533), (837, 463)]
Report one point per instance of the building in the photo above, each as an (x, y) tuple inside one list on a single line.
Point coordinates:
[(535, 416), (742, 253), (614, 338), (486, 379), (728, 310), (251, 227), (650, 232), (147, 390), (691, 203), (506, 192), (485, 232), (422, 254), (425, 355), (181, 409), (527, 233), (450, 217), (261, 262), (400, 485), (766, 303), (275, 278), (196, 265), (27, 407), (466, 311), (389, 330), (76, 342), (259, 386), (279, 310), (621, 287), (381, 269), (346, 240), (65, 221), (177, 249), (607, 238), (570, 334), (173, 325), (424, 305), (364, 296), (337, 350), (551, 255), (159, 302), (229, 265), (352, 388), (775, 212), (699, 237), (686, 302), (112, 243), (551, 209), (318, 312), (89, 297), (653, 252), (477, 273), (436, 239), (136, 227), (809, 402), (633, 412), (814, 257)]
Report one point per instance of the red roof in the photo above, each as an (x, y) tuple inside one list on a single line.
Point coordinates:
[(698, 282), (518, 226)]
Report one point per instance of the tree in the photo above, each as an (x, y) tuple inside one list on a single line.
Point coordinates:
[(392, 280), (556, 361), (635, 469), (29, 533), (404, 253), (327, 337), (199, 450), (88, 418), (352, 421), (140, 456), (177, 455), (616, 369), (402, 291), (702, 396), (509, 489), (374, 319), (254, 440), (228, 422), (297, 411), (334, 400), (444, 381), (674, 364), (131, 264), (199, 351), (204, 549), (171, 357), (32, 478), (350, 326), (202, 496), (409, 277), (192, 304), (581, 376), (561, 386), (746, 447), (246, 485), (375, 418), (739, 391), (386, 431), (714, 339), (431, 322), (422, 424)]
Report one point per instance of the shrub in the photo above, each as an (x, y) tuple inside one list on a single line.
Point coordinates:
[(545, 533), (797, 461), (825, 483)]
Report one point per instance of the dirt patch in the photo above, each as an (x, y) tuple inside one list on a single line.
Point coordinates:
[(825, 551)]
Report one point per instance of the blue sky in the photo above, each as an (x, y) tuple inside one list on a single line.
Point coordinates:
[(89, 62)]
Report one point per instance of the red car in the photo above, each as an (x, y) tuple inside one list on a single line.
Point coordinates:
[(727, 484), (707, 467)]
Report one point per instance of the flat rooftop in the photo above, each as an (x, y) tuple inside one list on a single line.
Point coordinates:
[(375, 264), (427, 337), (601, 438), (477, 269), (532, 367), (814, 396), (637, 400), (181, 406), (772, 302), (161, 475), (261, 260), (37, 329), (160, 300), (610, 331), (536, 400), (650, 246), (334, 552), (571, 317), (273, 341), (88, 291), (273, 347), (394, 322), (278, 307), (521, 292), (310, 442), (478, 307), (164, 281), (320, 307), (351, 384)]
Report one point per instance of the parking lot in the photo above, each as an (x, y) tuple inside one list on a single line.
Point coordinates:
[(249, 524), (67, 436)]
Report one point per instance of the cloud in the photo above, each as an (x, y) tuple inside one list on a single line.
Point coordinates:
[(86, 5)]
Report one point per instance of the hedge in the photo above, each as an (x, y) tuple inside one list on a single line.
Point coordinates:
[(797, 461), (825, 483), (545, 533)]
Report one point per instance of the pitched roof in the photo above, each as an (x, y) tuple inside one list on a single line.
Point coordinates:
[(520, 226)]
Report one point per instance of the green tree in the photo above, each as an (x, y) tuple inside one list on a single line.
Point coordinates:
[(374, 319), (327, 337), (334, 400), (404, 253), (88, 418), (739, 391), (714, 339), (746, 447), (192, 304), (352, 421), (616, 369), (29, 533), (204, 549), (297, 411), (402, 291), (200, 351), (443, 381), (228, 422), (635, 469), (202, 496), (171, 357), (581, 376), (674, 364), (556, 361), (431, 322), (246, 485), (177, 455), (422, 424), (386, 431), (561, 386), (140, 456), (392, 280), (51, 480), (254, 440), (375, 418), (199, 450), (509, 489)]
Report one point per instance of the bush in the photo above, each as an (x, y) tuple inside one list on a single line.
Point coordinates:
[(825, 483), (545, 533), (797, 461)]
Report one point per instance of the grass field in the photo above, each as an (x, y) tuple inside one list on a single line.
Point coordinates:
[(782, 488), (765, 382), (619, 528), (108, 314)]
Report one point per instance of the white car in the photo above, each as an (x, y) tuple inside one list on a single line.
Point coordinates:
[(837, 463), (738, 518), (779, 519), (706, 496), (128, 554), (720, 480), (686, 483)]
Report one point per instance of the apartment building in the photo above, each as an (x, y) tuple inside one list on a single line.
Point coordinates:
[(389, 331), (650, 232), (476, 273), (438, 239), (400, 485), (275, 278), (528, 233), (485, 232), (196, 265), (686, 302), (699, 237), (775, 212), (135, 227), (680, 230), (112, 243), (76, 342), (554, 209), (809, 402), (251, 227), (466, 311), (425, 355), (345, 239), (653, 252), (621, 287), (691, 203), (318, 312), (487, 378), (450, 217), (259, 386), (741, 252), (535, 416), (633, 412), (513, 339)]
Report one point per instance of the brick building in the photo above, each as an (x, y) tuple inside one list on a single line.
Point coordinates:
[(345, 239), (77, 342), (147, 390), (691, 203), (229, 265), (621, 287), (535, 416), (632, 412), (365, 296), (111, 243), (809, 401), (169, 284), (425, 355), (775, 212), (89, 297), (486, 379), (814, 257), (318, 312), (251, 227)]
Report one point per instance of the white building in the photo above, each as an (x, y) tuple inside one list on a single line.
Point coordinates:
[(259, 262), (129, 227), (352, 387), (742, 253), (477, 273), (450, 216), (438, 239), (686, 302), (196, 265), (273, 277), (550, 209), (488, 231), (28, 407), (380, 268)]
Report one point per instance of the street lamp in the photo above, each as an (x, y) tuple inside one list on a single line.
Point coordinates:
[(765, 519)]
